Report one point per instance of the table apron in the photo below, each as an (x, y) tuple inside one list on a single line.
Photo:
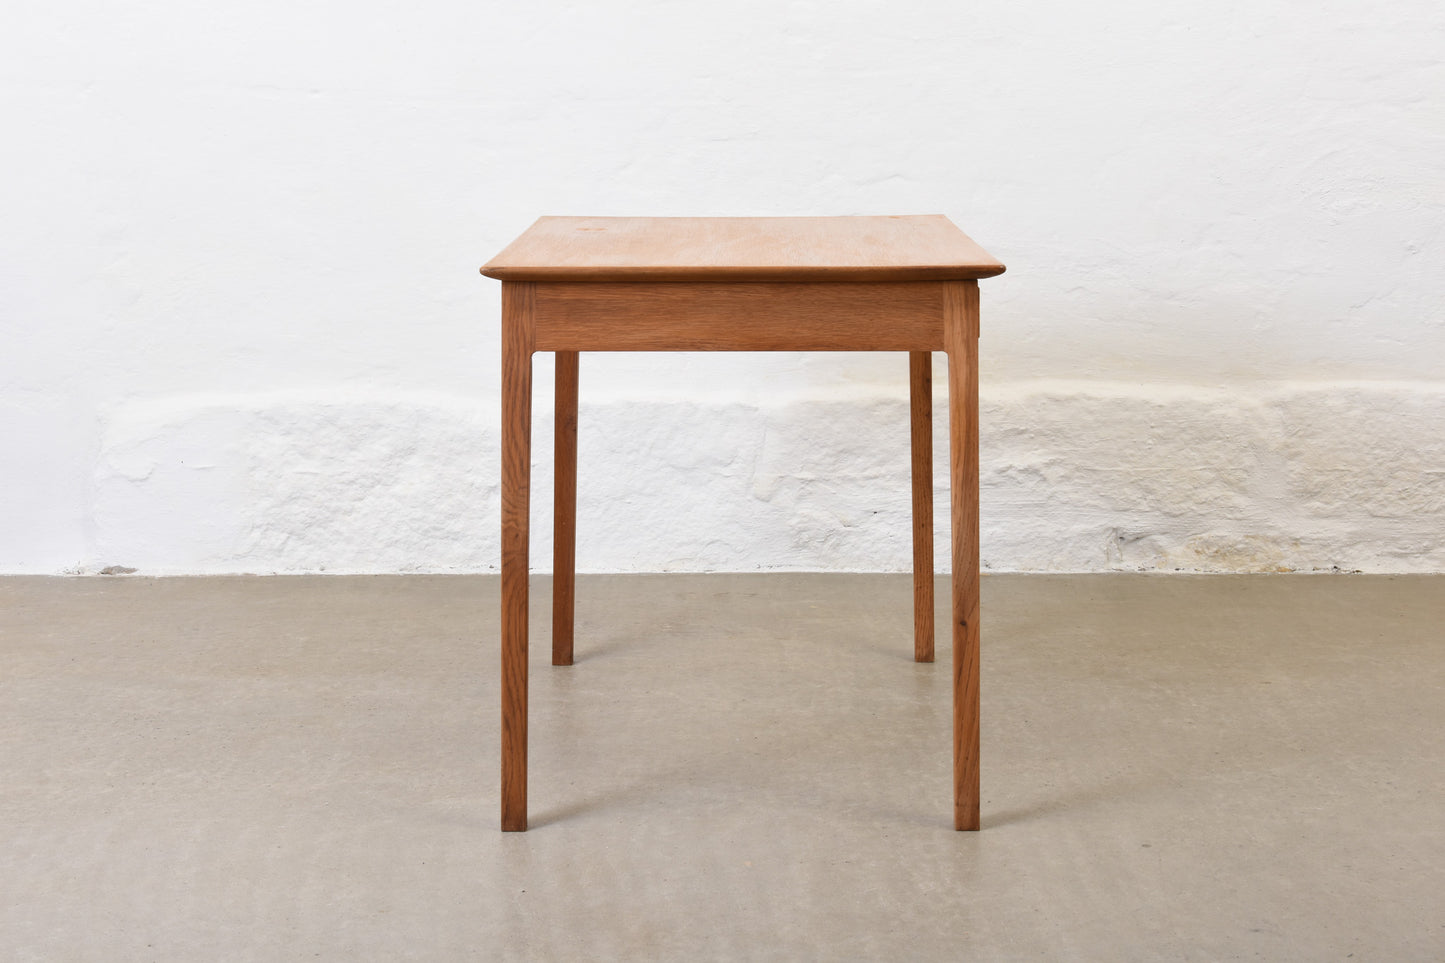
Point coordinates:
[(741, 316)]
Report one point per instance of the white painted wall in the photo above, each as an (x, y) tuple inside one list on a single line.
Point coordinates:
[(243, 328)]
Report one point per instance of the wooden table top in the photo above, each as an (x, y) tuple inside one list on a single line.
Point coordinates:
[(906, 248)]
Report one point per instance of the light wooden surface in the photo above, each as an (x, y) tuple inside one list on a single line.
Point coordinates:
[(920, 417), (742, 316), (807, 284), (906, 248), (517, 305), (961, 340), (564, 509)]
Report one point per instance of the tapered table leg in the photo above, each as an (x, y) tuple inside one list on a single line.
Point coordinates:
[(564, 514), (920, 391), (960, 336), (518, 299)]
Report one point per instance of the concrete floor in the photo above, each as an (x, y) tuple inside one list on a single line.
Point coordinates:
[(737, 767)]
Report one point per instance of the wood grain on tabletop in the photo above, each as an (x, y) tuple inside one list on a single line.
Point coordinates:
[(903, 248)]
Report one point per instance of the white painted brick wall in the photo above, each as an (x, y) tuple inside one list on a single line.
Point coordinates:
[(241, 327), (1076, 477)]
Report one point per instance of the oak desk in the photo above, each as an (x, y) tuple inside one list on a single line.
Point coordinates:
[(573, 284)]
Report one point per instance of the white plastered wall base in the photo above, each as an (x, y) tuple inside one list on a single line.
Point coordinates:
[(1077, 476)]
